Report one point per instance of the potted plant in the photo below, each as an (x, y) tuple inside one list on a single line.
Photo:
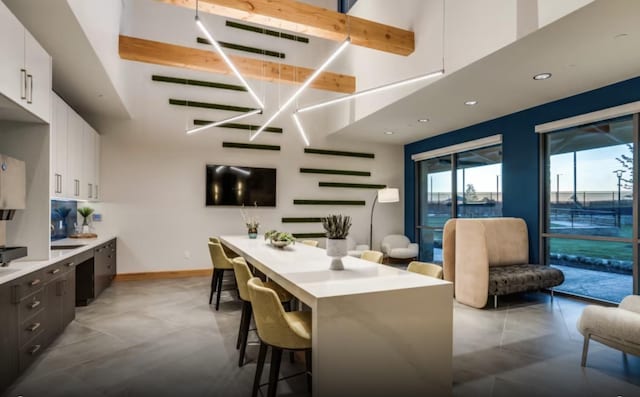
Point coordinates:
[(279, 239), (251, 222), (337, 228), (85, 212)]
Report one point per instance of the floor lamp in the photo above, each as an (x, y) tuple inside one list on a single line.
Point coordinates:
[(386, 195)]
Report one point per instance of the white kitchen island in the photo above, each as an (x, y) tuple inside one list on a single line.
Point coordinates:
[(377, 330)]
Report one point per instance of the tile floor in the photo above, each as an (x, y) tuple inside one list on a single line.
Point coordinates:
[(161, 338)]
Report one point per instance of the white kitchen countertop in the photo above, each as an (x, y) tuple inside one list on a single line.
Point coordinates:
[(19, 268)]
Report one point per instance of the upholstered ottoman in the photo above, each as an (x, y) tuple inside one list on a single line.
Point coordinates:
[(504, 280)]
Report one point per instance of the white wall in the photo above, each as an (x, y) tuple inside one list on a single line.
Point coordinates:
[(552, 10), (153, 174)]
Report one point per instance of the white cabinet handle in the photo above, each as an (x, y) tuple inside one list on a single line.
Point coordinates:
[(30, 92), (23, 84)]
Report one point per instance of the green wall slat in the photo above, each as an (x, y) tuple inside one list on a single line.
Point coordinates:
[(339, 153), (301, 220), (309, 235), (333, 172), (239, 47), (268, 32), (206, 105), (238, 126), (351, 185), (198, 83), (238, 145), (329, 202)]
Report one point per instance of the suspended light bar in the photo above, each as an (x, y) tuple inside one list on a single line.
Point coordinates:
[(300, 129), (228, 120), (371, 91), (304, 85), (224, 56)]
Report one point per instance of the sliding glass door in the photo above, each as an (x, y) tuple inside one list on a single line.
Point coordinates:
[(464, 184), (591, 228)]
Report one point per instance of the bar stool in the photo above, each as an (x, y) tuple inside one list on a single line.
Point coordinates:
[(280, 331), (230, 253), (221, 263), (243, 275), (313, 243)]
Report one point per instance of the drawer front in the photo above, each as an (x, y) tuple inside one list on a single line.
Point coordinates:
[(31, 305), (59, 269), (31, 351), (27, 285), (32, 327)]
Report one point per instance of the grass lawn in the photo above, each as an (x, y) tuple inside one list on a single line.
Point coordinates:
[(594, 249)]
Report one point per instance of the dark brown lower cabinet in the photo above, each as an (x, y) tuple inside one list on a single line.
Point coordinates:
[(9, 366), (96, 274)]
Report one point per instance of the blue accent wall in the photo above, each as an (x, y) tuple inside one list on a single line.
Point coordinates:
[(520, 151)]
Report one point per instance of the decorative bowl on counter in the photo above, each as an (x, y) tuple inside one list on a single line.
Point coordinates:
[(279, 239)]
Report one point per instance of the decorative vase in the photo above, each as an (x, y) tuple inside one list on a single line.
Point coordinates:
[(336, 249), (253, 232)]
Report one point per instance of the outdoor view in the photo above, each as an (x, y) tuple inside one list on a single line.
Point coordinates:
[(590, 201), (478, 179)]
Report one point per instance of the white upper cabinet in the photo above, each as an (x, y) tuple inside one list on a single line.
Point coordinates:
[(75, 139), (25, 67), (59, 126), (88, 160)]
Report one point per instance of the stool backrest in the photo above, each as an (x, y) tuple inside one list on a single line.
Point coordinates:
[(219, 259), (243, 275), (426, 269), (372, 256), (312, 243)]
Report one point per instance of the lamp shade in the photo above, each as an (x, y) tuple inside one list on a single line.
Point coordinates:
[(388, 195)]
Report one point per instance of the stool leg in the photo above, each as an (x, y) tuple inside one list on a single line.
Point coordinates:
[(245, 331), (274, 371), (262, 355), (214, 281), (220, 277), (585, 349), (495, 301), (244, 309), (307, 359)]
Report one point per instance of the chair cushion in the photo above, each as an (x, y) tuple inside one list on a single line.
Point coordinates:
[(402, 253), (355, 253), (505, 280), (611, 323)]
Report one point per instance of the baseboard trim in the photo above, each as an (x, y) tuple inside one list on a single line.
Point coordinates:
[(163, 275)]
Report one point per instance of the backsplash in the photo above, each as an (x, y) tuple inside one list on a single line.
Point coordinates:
[(64, 217)]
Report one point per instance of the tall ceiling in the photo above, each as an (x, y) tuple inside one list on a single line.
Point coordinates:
[(595, 46)]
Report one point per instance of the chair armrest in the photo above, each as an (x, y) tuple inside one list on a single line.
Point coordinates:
[(362, 247), (631, 303), (472, 264), (414, 247), (386, 248)]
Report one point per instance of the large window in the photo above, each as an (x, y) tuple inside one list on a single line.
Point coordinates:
[(590, 211), (465, 184)]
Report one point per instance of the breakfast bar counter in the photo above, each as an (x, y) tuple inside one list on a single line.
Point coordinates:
[(377, 330)]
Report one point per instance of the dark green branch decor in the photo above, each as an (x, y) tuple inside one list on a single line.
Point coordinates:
[(309, 235), (268, 32), (301, 220), (333, 172), (329, 202), (351, 185), (239, 47), (238, 145), (206, 105), (238, 126), (198, 83), (339, 153)]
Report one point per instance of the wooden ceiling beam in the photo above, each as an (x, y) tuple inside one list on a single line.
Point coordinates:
[(141, 50), (310, 20)]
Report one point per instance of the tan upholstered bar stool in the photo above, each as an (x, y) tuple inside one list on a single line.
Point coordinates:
[(279, 330), (243, 275), (425, 268), (312, 243), (227, 250), (221, 263), (372, 256)]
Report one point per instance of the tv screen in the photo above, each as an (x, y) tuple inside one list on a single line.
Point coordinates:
[(231, 185)]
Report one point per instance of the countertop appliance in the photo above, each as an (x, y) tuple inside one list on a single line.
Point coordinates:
[(13, 197)]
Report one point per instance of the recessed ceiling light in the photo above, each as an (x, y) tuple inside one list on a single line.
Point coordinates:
[(389, 133), (542, 76), (423, 120), (471, 103)]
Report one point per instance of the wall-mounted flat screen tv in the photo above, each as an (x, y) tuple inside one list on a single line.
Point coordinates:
[(234, 185)]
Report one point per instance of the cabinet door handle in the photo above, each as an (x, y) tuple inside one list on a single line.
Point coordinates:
[(59, 183), (34, 349), (96, 192), (90, 190), (71, 264), (34, 282), (33, 327), (55, 271), (34, 304), (30, 93), (23, 84)]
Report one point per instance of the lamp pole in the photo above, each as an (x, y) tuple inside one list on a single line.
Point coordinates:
[(619, 175), (558, 188), (371, 222)]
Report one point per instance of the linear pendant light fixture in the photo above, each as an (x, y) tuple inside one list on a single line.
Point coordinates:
[(300, 129), (227, 120), (304, 85), (370, 91)]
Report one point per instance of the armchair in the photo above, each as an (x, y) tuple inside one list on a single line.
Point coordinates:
[(397, 246), (355, 249)]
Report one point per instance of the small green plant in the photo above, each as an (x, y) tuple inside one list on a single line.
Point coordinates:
[(86, 213), (274, 235), (337, 226)]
